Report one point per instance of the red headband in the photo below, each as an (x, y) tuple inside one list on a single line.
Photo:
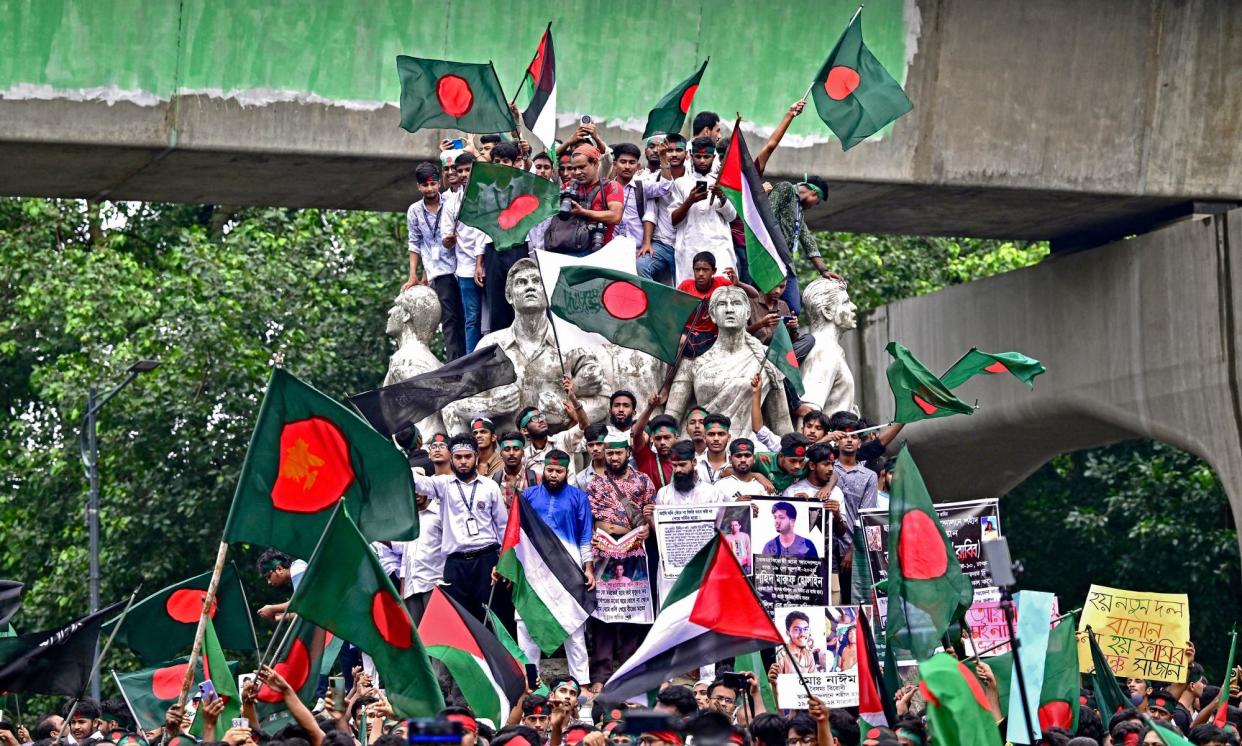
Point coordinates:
[(667, 736), (467, 723)]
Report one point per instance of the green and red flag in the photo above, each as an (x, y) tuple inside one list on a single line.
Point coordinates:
[(549, 587), (307, 654), (150, 692), (1058, 697), (452, 95), (980, 363), (853, 93), (875, 703), (927, 590), (670, 112), (490, 679), (628, 310), (1222, 699), (1168, 736), (506, 202), (217, 670), (766, 253), (163, 624), (919, 395), (346, 591), (781, 354), (537, 93), (307, 454), (957, 707), (1109, 699), (711, 613)]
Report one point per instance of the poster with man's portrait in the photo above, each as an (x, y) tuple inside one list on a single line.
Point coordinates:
[(791, 559), (735, 524)]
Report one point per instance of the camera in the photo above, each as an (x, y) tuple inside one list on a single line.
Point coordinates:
[(568, 198), (735, 681), (586, 119), (597, 231)]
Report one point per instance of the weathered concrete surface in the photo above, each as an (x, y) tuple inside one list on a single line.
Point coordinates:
[(1141, 338), (1051, 120)]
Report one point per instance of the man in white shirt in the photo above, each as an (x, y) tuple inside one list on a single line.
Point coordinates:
[(687, 488), (659, 259), (701, 214), (439, 265), (744, 482), (467, 244), (714, 460)]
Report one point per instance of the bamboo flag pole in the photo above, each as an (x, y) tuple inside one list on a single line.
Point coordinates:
[(209, 599), (851, 23)]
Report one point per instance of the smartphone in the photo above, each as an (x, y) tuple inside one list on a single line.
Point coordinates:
[(241, 723), (457, 143), (336, 689), (586, 119), (208, 691), (434, 731), (734, 681), (700, 186)]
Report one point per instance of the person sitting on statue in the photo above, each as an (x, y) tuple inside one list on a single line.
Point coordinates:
[(700, 329)]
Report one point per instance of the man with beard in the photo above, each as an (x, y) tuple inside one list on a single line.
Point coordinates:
[(472, 524), (618, 501), (686, 488), (652, 443), (744, 482), (712, 462), (513, 477), (621, 407), (539, 440)]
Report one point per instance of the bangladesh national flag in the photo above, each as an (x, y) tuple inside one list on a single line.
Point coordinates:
[(218, 671), (875, 704), (781, 354), (1222, 699), (670, 112), (927, 590), (308, 654), (537, 95), (452, 95), (1058, 697), (307, 454), (54, 661), (766, 253), (626, 309), (976, 362), (490, 678), (1109, 699), (854, 94), (711, 613), (346, 591), (506, 202), (957, 706), (163, 624), (918, 393), (549, 587), (150, 692)]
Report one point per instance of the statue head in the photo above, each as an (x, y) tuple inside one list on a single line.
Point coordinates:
[(524, 288), (827, 300), (729, 308), (416, 309)]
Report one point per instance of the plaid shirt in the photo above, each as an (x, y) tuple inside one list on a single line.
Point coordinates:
[(607, 506)]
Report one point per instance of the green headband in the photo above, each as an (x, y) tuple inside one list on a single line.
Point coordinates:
[(512, 443), (617, 444), (665, 429), (716, 426), (910, 735), (271, 565), (482, 423), (814, 188), (699, 409), (532, 414)]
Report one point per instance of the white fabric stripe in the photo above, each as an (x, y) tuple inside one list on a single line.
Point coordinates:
[(671, 628), (548, 587), (545, 123), (505, 704), (754, 221)]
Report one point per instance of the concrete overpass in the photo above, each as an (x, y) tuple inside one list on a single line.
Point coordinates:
[(1141, 338), (1063, 120)]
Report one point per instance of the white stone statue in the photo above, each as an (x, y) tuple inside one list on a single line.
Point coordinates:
[(719, 379), (828, 382), (631, 370), (412, 320)]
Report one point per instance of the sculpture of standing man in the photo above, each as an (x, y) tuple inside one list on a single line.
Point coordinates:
[(828, 382), (412, 320)]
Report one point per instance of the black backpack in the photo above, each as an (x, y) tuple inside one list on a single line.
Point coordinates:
[(569, 234)]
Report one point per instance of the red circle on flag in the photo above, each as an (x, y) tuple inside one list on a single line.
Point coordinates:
[(997, 367), (390, 620), (166, 682), (295, 668), (921, 550), (976, 689), (923, 404), (791, 358), (315, 467), (841, 82), (686, 97), (1055, 714), (454, 95), (624, 300), (186, 604), (521, 206)]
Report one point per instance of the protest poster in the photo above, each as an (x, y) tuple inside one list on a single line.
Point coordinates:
[(681, 531), (986, 631), (1142, 635), (622, 588), (830, 667), (967, 524), (790, 561)]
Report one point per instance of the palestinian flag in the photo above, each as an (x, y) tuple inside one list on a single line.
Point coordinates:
[(976, 362), (549, 587), (957, 707), (1222, 699), (10, 600), (506, 202), (537, 95), (766, 253), (854, 94), (452, 95), (163, 624), (753, 662), (875, 704), (1058, 697), (345, 591), (506, 639), (307, 454), (670, 112), (54, 661), (216, 669), (927, 590), (628, 310), (781, 354), (1109, 699), (490, 678), (919, 394), (711, 613), (308, 654)]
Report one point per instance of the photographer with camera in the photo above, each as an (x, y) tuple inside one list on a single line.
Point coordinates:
[(590, 209)]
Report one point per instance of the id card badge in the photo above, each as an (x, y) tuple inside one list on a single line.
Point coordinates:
[(472, 527)]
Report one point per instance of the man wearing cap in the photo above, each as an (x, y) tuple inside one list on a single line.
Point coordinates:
[(513, 476), (700, 213), (468, 244), (439, 265), (686, 488), (786, 466), (484, 433), (743, 482), (713, 461), (596, 202)]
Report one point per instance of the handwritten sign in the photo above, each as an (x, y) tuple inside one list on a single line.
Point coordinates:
[(987, 632), (1142, 635)]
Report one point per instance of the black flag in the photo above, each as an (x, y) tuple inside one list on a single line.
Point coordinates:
[(396, 407), (56, 661), (10, 600)]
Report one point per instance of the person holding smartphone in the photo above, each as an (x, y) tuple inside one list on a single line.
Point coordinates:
[(700, 214)]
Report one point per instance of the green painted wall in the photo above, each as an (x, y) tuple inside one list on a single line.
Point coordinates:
[(615, 59)]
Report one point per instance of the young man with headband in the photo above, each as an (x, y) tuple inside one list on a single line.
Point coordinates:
[(743, 481), (514, 477), (484, 433), (713, 461), (593, 438), (653, 441)]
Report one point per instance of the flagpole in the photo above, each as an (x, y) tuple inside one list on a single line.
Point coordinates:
[(283, 640), (132, 712), (851, 23), (254, 634), (209, 599), (798, 671), (314, 553), (547, 310), (275, 634)]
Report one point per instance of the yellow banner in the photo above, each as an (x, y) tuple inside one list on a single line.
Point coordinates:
[(1142, 635)]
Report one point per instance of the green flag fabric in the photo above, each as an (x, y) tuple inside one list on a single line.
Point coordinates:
[(452, 95), (308, 653), (781, 354), (853, 93), (506, 639), (919, 395), (977, 363), (151, 691), (1109, 698), (346, 591), (1058, 697), (163, 624), (506, 202), (1222, 699), (957, 707), (1168, 736), (216, 669), (670, 112), (626, 309), (307, 454), (927, 590)]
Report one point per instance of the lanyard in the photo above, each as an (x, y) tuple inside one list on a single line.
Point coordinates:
[(469, 505), (433, 225)]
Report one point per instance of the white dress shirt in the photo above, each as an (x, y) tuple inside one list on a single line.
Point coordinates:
[(470, 241), (479, 499)]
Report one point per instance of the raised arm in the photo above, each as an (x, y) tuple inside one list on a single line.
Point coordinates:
[(769, 147)]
